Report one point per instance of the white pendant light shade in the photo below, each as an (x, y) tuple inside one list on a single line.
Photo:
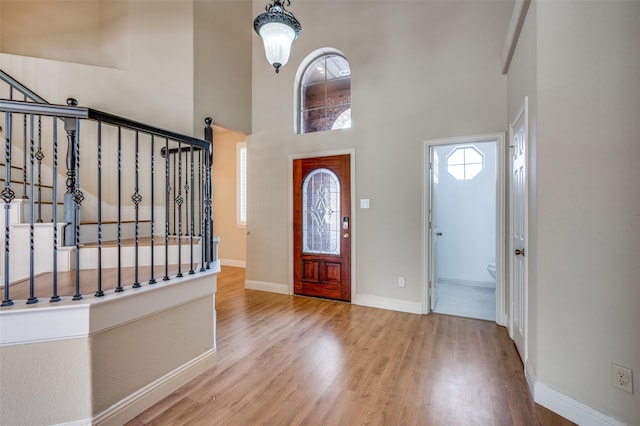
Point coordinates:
[(277, 39), (278, 28)]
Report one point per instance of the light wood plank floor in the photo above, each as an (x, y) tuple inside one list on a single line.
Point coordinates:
[(286, 360)]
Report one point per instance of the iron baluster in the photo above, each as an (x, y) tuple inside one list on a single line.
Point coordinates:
[(32, 297), (7, 196), (167, 195), (54, 296), (119, 286), (39, 157), (136, 198), (152, 280), (175, 170), (179, 201), (99, 292), (77, 199), (191, 271), (24, 156)]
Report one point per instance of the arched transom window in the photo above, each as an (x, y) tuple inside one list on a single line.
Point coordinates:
[(325, 94)]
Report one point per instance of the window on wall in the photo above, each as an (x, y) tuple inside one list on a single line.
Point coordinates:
[(241, 167), (325, 95), (464, 163)]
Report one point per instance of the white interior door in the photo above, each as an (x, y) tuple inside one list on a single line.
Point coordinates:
[(518, 132), (434, 232)]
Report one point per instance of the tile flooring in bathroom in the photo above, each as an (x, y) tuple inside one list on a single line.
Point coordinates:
[(466, 301)]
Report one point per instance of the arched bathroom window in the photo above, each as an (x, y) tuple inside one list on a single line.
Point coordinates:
[(325, 94), (321, 212)]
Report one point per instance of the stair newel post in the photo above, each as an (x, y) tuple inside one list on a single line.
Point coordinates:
[(208, 164), (32, 297), (69, 204), (7, 196)]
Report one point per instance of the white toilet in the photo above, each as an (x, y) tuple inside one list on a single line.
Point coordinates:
[(492, 269)]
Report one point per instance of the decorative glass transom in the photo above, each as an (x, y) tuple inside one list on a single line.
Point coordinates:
[(321, 212), (325, 95), (464, 163)]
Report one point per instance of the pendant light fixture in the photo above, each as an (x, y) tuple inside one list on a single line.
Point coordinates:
[(278, 28)]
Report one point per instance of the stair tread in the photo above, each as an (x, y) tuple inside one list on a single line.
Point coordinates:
[(19, 290), (42, 185), (144, 241), (113, 222)]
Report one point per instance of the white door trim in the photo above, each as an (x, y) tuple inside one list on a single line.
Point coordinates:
[(499, 138), (354, 221)]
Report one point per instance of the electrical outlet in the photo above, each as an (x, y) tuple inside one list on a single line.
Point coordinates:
[(401, 282), (622, 378)]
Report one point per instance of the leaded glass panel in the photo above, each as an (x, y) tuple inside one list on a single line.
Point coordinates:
[(321, 213)]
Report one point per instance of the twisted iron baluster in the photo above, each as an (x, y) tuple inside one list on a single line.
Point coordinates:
[(179, 201), (32, 297), (77, 198), (136, 198), (39, 157), (167, 195), (99, 292), (191, 271), (119, 286), (7, 195), (54, 296)]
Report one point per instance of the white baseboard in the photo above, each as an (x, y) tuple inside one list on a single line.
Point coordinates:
[(571, 409), (144, 398), (234, 263), (266, 286), (530, 376), (386, 303)]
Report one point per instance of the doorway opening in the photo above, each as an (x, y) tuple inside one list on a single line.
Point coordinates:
[(464, 227)]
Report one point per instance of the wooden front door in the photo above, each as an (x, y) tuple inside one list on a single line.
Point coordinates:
[(322, 227)]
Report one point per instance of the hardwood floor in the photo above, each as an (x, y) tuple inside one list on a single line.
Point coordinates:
[(285, 360)]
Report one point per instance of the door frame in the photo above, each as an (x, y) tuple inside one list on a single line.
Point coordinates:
[(499, 138), (354, 222)]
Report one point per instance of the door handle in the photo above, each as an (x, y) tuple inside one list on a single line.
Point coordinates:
[(438, 234), (519, 252), (346, 235)]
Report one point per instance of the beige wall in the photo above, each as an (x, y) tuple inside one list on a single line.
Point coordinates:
[(45, 383), (129, 357), (77, 379), (420, 70), (522, 81), (86, 32), (232, 247), (588, 200), (222, 58)]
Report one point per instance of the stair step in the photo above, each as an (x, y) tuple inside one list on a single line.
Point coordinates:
[(19, 182), (19, 290)]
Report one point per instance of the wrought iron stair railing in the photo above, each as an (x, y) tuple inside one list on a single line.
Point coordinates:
[(124, 157)]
